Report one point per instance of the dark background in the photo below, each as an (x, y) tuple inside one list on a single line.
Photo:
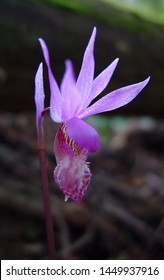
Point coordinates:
[(121, 215), (138, 42)]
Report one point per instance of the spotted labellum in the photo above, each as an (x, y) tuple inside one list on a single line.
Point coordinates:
[(69, 105)]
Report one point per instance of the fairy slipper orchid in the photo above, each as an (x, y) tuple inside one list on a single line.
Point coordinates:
[(69, 105)]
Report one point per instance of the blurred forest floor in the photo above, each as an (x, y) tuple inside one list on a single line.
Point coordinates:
[(122, 213)]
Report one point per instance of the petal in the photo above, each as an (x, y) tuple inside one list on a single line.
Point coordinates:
[(72, 173), (71, 98), (101, 81), (55, 100), (83, 134), (85, 79), (39, 92), (115, 99)]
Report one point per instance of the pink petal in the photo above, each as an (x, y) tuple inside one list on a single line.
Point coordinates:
[(84, 134), (71, 98), (115, 99), (39, 92), (72, 173), (85, 79), (101, 81), (55, 100)]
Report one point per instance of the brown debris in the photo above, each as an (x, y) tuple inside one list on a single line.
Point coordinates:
[(121, 216)]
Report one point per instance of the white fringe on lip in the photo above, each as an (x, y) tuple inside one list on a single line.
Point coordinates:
[(66, 198)]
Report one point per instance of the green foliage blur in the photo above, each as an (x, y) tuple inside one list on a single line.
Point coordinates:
[(152, 10)]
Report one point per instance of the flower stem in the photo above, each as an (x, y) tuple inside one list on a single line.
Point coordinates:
[(45, 191)]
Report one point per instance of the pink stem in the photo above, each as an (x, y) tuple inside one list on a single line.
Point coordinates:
[(45, 191)]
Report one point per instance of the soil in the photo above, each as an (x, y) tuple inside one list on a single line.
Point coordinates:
[(121, 215)]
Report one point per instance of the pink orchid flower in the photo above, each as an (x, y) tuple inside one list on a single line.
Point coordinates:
[(69, 105)]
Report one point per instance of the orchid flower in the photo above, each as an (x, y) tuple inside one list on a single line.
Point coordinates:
[(69, 105)]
